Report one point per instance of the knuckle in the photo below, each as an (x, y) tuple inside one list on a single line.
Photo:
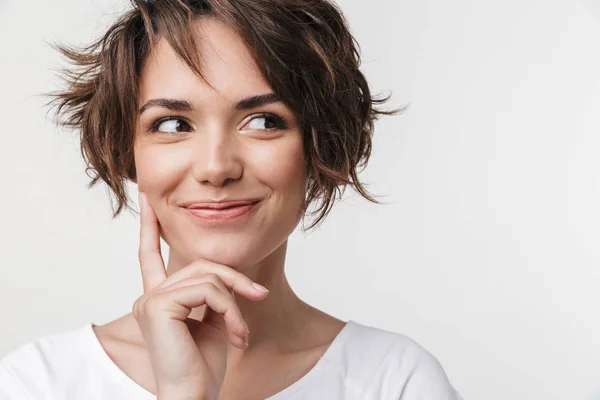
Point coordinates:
[(152, 304), (213, 278), (139, 307), (197, 266), (142, 256), (145, 254), (209, 287)]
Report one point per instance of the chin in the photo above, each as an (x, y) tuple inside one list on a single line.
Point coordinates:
[(235, 254)]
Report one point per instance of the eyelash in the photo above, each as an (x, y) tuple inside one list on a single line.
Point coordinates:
[(280, 122)]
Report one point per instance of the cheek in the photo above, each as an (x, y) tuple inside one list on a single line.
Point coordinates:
[(280, 165), (158, 167)]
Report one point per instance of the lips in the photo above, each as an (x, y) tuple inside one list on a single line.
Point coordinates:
[(219, 205), (221, 212)]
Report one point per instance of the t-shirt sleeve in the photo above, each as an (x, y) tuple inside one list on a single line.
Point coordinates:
[(10, 389), (24, 374), (428, 381)]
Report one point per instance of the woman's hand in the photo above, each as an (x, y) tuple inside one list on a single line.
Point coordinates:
[(188, 357)]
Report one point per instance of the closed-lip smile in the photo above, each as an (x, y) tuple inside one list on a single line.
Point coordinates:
[(219, 204), (214, 212)]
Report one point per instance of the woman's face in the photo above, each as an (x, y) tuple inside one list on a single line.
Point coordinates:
[(213, 148)]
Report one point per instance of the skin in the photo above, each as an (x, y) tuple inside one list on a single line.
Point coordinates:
[(220, 151)]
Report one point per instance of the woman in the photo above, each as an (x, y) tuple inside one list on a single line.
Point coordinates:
[(232, 117)]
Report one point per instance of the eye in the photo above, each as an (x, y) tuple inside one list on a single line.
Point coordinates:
[(170, 125), (268, 122)]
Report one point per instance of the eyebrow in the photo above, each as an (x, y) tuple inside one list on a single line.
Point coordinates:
[(185, 105)]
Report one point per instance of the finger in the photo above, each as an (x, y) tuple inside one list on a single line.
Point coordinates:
[(211, 278), (150, 257), (234, 280), (218, 283), (179, 302), (234, 328)]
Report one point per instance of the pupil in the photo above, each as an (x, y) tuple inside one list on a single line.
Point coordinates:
[(269, 123), (180, 124)]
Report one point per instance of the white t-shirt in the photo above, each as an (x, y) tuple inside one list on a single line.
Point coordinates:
[(362, 363)]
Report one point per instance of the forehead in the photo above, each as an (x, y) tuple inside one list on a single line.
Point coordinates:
[(226, 63)]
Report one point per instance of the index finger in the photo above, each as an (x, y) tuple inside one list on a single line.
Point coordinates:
[(151, 261)]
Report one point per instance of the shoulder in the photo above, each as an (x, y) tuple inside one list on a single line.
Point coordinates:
[(390, 365), (31, 370)]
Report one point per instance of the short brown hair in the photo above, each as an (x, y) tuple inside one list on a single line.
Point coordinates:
[(303, 48)]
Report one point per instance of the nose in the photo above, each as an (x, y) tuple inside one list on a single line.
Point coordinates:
[(217, 159)]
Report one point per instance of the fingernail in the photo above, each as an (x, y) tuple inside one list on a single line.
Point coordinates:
[(259, 287), (246, 340)]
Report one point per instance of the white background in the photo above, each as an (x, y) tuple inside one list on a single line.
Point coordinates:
[(488, 253)]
